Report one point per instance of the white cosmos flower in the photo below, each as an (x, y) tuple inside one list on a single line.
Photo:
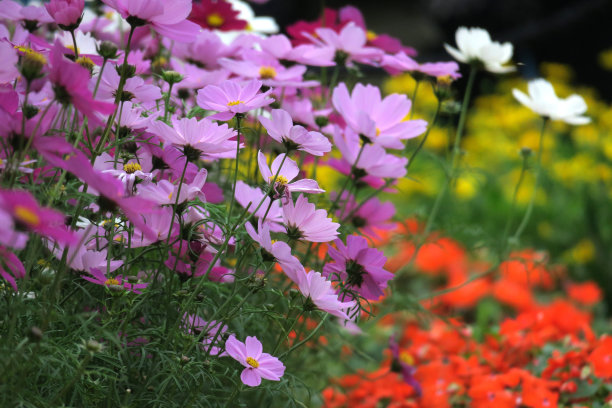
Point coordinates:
[(543, 101), (475, 45)]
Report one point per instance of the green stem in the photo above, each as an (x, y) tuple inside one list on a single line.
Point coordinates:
[(527, 215), (413, 99), (504, 241), (238, 120), (76, 50)]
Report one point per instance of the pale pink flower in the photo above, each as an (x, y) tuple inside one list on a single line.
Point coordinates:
[(282, 186), (380, 121), (280, 128), (66, 13), (257, 365), (303, 221), (229, 98), (349, 44), (401, 62), (320, 291)]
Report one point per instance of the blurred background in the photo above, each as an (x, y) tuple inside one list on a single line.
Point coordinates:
[(567, 31)]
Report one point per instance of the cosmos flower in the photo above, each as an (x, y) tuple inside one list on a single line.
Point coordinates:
[(66, 13), (320, 292), (257, 365), (211, 333), (250, 197), (168, 17), (216, 15), (99, 278), (229, 98), (400, 363), (349, 44), (303, 221), (543, 100), (282, 186), (380, 120), (401, 62), (196, 137), (359, 266), (280, 128), (475, 46), (11, 267)]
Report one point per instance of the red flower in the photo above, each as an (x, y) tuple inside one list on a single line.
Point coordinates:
[(216, 15), (601, 358)]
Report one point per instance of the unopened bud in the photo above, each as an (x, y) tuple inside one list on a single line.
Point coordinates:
[(321, 121), (526, 152), (107, 50), (171, 77), (32, 64), (93, 346), (130, 70)]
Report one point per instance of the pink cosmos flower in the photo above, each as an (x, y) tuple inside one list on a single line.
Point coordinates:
[(230, 99), (280, 47), (303, 221), (99, 278), (19, 211), (196, 137), (29, 15), (283, 186), (250, 197), (66, 13), (267, 69), (379, 120), (9, 58), (373, 161), (11, 267), (400, 62), (359, 266), (277, 250), (366, 216), (280, 128), (70, 83), (211, 332), (320, 291), (135, 88), (216, 15), (86, 256), (257, 365), (164, 192), (168, 17), (349, 44), (302, 111)]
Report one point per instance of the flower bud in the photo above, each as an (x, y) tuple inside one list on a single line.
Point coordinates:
[(32, 64), (526, 152), (86, 62), (107, 50), (93, 346), (171, 77)]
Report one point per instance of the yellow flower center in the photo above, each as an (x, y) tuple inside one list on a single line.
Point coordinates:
[(85, 62), (444, 80), (252, 362), (406, 358), (170, 196), (371, 35), (131, 168), (234, 103), (111, 281), (280, 179), (267, 72), (215, 20), (31, 54), (1, 162), (377, 132), (26, 216)]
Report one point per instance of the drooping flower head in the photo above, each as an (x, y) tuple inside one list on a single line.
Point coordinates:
[(543, 100), (303, 221), (359, 266), (476, 47), (229, 98), (168, 17), (257, 365), (66, 13), (280, 128), (320, 292)]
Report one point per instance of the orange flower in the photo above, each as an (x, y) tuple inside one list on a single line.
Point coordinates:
[(601, 358), (586, 293)]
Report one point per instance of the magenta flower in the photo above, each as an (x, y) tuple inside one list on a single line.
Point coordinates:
[(66, 13), (303, 221), (280, 47), (168, 17), (359, 266), (11, 267), (366, 216), (230, 99), (216, 15), (257, 365), (282, 186), (280, 128), (71, 86), (321, 293), (380, 121), (99, 278), (135, 88), (400, 62), (8, 69), (196, 137), (20, 212)]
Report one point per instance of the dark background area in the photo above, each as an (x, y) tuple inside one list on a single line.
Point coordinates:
[(566, 31)]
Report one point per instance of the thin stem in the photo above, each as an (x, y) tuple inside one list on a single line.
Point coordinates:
[(76, 50), (504, 241), (413, 99), (238, 120), (527, 215)]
